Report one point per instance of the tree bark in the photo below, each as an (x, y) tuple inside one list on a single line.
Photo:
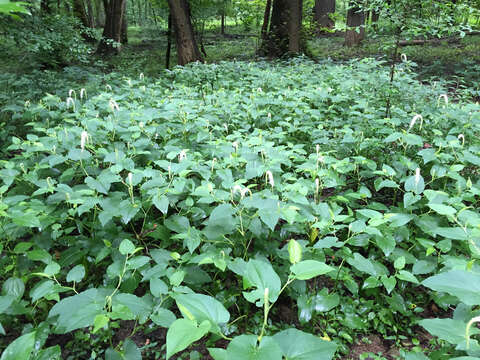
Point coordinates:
[(169, 42), (222, 23), (266, 19), (90, 14), (124, 34), (355, 26), (112, 32), (187, 48), (322, 11), (295, 26), (80, 13), (285, 33)]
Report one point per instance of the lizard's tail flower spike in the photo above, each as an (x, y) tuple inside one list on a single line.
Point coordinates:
[(142, 77), (417, 176), (403, 57), (317, 148), (83, 93), (113, 105), (182, 155), (235, 145), (130, 179), (70, 92), (83, 139), (70, 103), (260, 90), (108, 87), (414, 120), (444, 97), (269, 176), (462, 138), (317, 185)]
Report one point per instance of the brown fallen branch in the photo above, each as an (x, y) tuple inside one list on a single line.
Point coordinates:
[(435, 41)]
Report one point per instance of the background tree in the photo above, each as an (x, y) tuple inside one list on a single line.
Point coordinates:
[(285, 31), (355, 25), (187, 48), (112, 32), (321, 14)]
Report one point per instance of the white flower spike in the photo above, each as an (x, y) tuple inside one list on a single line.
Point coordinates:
[(417, 176), (414, 120), (83, 139), (269, 176)]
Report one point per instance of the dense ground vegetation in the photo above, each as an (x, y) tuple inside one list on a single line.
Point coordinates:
[(318, 206)]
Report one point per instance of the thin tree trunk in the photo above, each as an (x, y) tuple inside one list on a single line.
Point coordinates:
[(284, 35), (295, 26), (355, 26), (90, 14), (124, 31), (266, 19), (187, 48), (80, 13), (169, 42), (112, 32), (222, 23), (322, 11)]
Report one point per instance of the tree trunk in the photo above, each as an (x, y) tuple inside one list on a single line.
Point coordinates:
[(112, 32), (355, 29), (124, 34), (322, 11), (187, 48), (222, 23), (80, 13), (90, 14), (169, 42), (285, 33), (266, 19), (295, 26)]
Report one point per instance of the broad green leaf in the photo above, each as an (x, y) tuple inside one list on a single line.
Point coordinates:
[(184, 332), (78, 311), (261, 275), (399, 263), (98, 185), (126, 247), (463, 284), (218, 353), (443, 209), (158, 287), (161, 203), (364, 265), (415, 185), (13, 286), (76, 274), (244, 347), (51, 353), (323, 301), (52, 269), (100, 322), (407, 276), (449, 330), (221, 221), (201, 307), (298, 345), (308, 269), (20, 348), (131, 351), (163, 317), (454, 233), (294, 251)]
